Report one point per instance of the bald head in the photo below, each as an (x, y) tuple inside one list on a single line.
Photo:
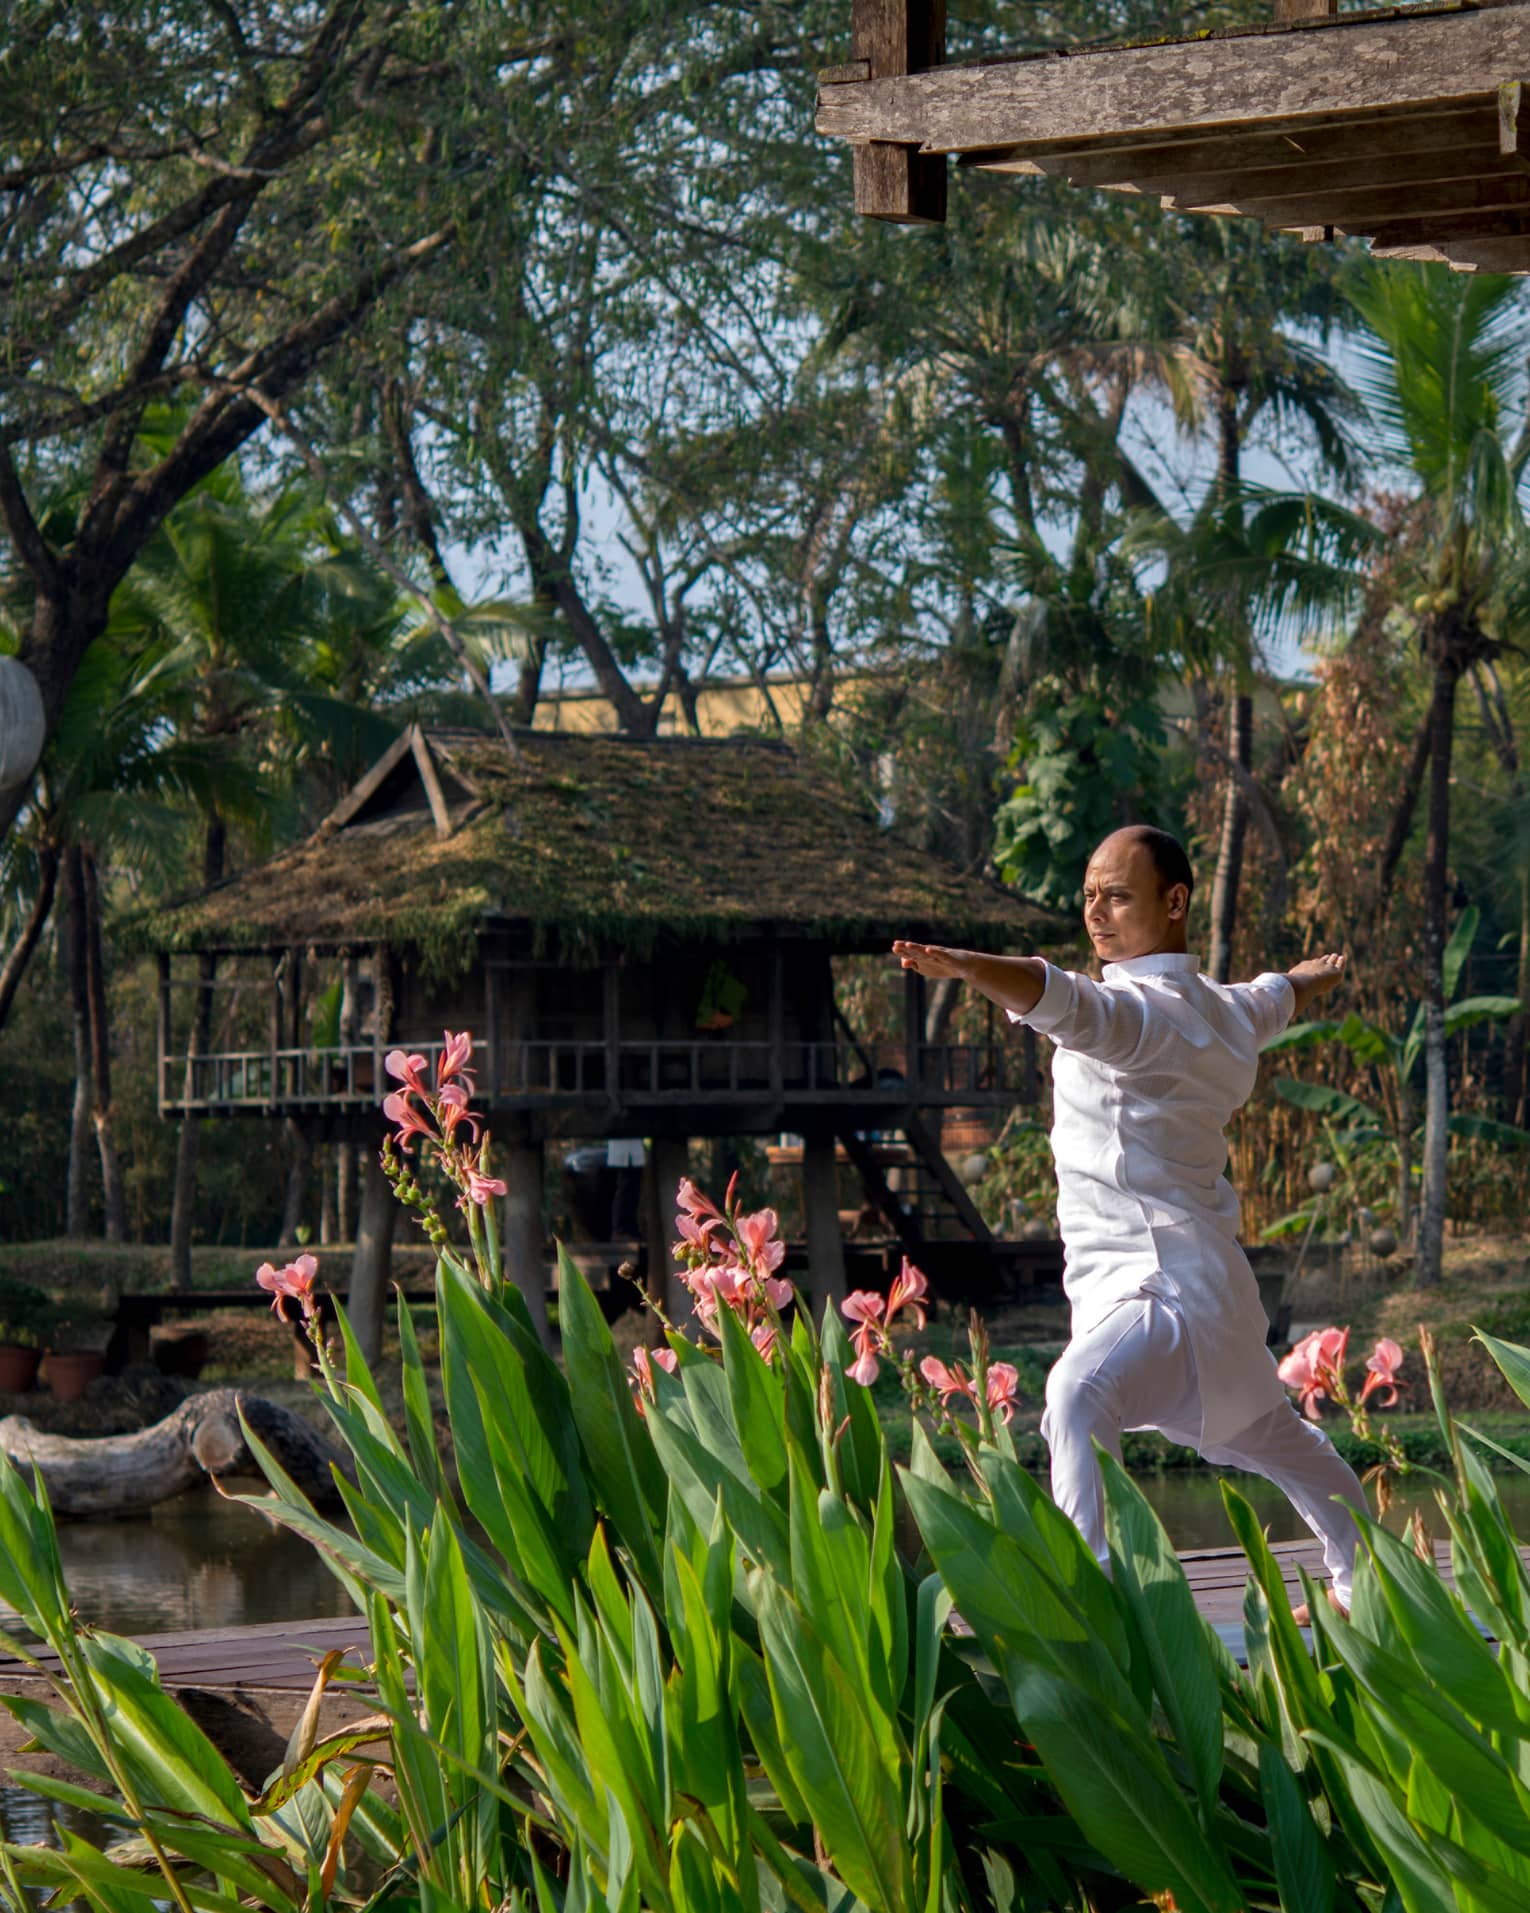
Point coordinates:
[(1137, 894), (1167, 853)]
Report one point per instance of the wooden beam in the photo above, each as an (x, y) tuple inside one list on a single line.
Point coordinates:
[(435, 796), (1161, 164), (894, 38), (1364, 208), (1344, 67), (1455, 230), (1329, 179), (369, 785)]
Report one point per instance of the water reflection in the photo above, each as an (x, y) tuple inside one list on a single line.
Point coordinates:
[(1189, 1504), (197, 1561)]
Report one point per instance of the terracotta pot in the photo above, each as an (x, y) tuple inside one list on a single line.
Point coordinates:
[(18, 1367), (70, 1372)]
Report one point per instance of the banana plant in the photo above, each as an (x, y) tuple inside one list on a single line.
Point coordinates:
[(1394, 1061)]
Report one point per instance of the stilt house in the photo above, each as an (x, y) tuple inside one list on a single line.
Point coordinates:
[(639, 936), (1402, 125)]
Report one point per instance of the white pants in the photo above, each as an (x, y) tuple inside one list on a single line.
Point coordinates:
[(1135, 1369)]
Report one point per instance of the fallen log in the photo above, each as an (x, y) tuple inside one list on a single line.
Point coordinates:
[(118, 1474)]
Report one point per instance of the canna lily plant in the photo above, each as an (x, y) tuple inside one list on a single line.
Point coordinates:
[(690, 1650)]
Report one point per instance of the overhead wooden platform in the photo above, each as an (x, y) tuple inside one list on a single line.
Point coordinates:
[(282, 1655), (1401, 125)]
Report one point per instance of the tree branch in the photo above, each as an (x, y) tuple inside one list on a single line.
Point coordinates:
[(32, 548)]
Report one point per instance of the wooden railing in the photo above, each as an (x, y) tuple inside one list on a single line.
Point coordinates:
[(351, 1077)]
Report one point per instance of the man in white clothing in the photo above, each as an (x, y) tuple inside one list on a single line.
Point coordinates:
[(1150, 1065)]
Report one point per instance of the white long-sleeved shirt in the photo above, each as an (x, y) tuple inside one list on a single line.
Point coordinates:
[(1149, 1068)]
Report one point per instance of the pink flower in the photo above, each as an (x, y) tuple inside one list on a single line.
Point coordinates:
[(1314, 1367), (294, 1279), (1003, 1382), (1381, 1371), (948, 1381), (644, 1361), (398, 1109), (763, 1335), (757, 1236), (481, 1189), (778, 1291), (456, 1054), (694, 1204), (865, 1368), (453, 1114), (863, 1305), (408, 1069), (908, 1288)]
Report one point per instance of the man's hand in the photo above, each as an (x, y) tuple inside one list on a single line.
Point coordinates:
[(932, 959), (1316, 977), (1014, 983)]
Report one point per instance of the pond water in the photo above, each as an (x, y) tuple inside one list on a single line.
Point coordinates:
[(1188, 1502), (197, 1561), (200, 1561)]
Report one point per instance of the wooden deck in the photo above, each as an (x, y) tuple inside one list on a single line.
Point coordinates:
[(282, 1655)]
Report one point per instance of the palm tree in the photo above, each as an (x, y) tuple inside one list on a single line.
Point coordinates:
[(1445, 370), (1248, 351)]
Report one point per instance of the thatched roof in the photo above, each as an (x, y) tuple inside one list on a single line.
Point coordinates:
[(593, 841)]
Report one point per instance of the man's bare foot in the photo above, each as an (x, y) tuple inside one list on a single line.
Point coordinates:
[(1302, 1614)]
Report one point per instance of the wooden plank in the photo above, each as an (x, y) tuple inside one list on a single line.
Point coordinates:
[(1288, 12), (897, 182), (1328, 178), (1104, 162), (1450, 230), (1363, 208), (1344, 67), (435, 796), (349, 805)]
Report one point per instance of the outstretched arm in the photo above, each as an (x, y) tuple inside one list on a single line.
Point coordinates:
[(1315, 977), (1014, 983)]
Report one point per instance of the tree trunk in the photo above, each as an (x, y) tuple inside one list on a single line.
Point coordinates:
[(1224, 889), (115, 1474), (299, 1161), (1514, 1062), (188, 1140), (1404, 1161), (1431, 1235), (77, 1199), (114, 1202), (345, 1149), (31, 931)]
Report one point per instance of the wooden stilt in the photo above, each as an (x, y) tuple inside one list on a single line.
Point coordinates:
[(525, 1241), (372, 1262), (820, 1202), (895, 37)]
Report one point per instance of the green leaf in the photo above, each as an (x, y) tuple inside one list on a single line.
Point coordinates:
[(1325, 1100), (1150, 1579), (419, 1419), (1472, 1010), (1486, 1129), (1304, 1872), (1117, 1786), (623, 1467), (170, 1759), (1458, 949), (1300, 1036), (757, 1401), (1513, 1362), (831, 1746)]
